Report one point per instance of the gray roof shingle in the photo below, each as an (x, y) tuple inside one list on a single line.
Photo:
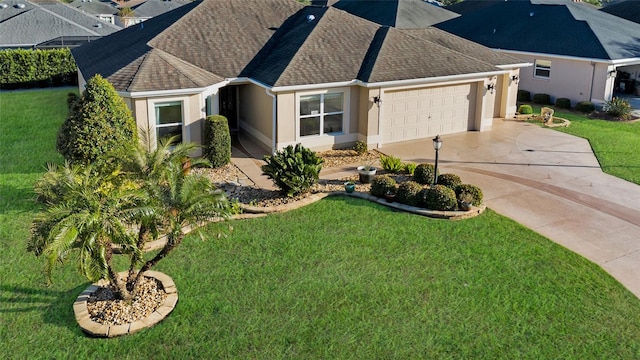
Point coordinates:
[(402, 14), (626, 9), (560, 27)]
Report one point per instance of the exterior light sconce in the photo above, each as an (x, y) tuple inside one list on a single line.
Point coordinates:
[(515, 78), (613, 73), (377, 100), (491, 87)]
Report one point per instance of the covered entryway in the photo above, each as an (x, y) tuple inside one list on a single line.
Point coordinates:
[(423, 112)]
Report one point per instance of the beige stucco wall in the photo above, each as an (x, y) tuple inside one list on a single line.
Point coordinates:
[(256, 113), (569, 78), (286, 124)]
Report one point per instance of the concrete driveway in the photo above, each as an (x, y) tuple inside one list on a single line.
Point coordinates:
[(550, 182)]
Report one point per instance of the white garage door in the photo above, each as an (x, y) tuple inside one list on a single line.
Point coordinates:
[(419, 113)]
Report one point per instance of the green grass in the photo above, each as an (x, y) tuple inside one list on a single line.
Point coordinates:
[(341, 278), (615, 144)]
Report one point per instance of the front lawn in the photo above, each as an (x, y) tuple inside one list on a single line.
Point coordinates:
[(341, 278)]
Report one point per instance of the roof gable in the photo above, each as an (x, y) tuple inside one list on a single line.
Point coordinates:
[(402, 14), (627, 9)]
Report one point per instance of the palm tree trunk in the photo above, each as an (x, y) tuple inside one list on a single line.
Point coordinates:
[(173, 240), (117, 286), (132, 278)]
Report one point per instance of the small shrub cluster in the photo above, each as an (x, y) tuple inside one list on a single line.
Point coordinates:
[(217, 140), (383, 184), (439, 197), (410, 168), (472, 190), (24, 68), (542, 99), (294, 170), (424, 174), (391, 163), (525, 109), (449, 180), (585, 107), (563, 103), (360, 147), (618, 107), (409, 193), (524, 96)]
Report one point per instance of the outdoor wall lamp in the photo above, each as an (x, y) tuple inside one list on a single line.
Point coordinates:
[(491, 87), (377, 100), (613, 73), (437, 144), (515, 78)]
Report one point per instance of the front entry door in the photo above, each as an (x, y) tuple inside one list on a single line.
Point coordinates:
[(229, 106)]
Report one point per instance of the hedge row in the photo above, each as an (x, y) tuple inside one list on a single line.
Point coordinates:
[(20, 68)]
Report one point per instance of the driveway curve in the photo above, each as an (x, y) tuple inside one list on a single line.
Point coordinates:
[(550, 182)]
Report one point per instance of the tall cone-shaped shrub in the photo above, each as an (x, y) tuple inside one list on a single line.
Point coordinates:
[(99, 122)]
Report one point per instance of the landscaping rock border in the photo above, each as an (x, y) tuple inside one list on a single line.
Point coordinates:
[(97, 329)]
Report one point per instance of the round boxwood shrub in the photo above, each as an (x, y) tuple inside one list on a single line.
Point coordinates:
[(524, 96), (424, 173), (525, 109), (409, 193), (472, 190), (449, 180), (543, 99), (585, 107), (382, 184), (361, 147), (98, 123), (217, 140), (563, 103), (439, 197)]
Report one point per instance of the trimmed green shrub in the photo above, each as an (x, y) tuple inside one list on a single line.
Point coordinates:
[(585, 107), (618, 107), (410, 168), (99, 123), (217, 140), (424, 174), (473, 190), (382, 184), (525, 109), (391, 163), (293, 170), (22, 68), (72, 98), (543, 99), (449, 180), (439, 197), (524, 96), (360, 147), (563, 103), (409, 193)]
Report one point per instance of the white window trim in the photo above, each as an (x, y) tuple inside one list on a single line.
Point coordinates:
[(151, 110), (345, 112), (544, 67)]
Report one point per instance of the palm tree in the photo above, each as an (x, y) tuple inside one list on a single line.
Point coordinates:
[(140, 197)]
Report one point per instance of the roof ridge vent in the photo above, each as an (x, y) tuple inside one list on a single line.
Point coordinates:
[(19, 6), (3, 6), (311, 17)]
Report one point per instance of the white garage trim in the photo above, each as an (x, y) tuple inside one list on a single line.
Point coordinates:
[(417, 113)]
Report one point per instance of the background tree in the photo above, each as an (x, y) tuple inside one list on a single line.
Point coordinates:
[(99, 122)]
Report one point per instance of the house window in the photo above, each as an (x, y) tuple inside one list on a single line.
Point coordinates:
[(321, 114), (542, 69), (169, 120)]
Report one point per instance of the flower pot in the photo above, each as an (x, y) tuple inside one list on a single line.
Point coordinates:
[(465, 206), (390, 197), (349, 187), (366, 174)]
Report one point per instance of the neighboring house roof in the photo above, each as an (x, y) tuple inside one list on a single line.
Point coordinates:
[(559, 27), (402, 14), (39, 23), (278, 43), (627, 9), (95, 7), (151, 8)]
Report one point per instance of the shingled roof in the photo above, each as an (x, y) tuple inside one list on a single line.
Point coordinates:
[(278, 43), (401, 14), (559, 27), (626, 9)]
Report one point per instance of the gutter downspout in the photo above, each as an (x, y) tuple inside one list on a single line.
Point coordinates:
[(274, 116), (593, 75)]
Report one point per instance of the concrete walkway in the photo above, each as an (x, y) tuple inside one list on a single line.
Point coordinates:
[(546, 180)]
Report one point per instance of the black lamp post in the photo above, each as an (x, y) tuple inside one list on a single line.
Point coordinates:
[(437, 144)]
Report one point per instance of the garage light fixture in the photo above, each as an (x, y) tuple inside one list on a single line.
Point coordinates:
[(491, 87), (377, 100), (613, 73), (515, 78), (437, 144)]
